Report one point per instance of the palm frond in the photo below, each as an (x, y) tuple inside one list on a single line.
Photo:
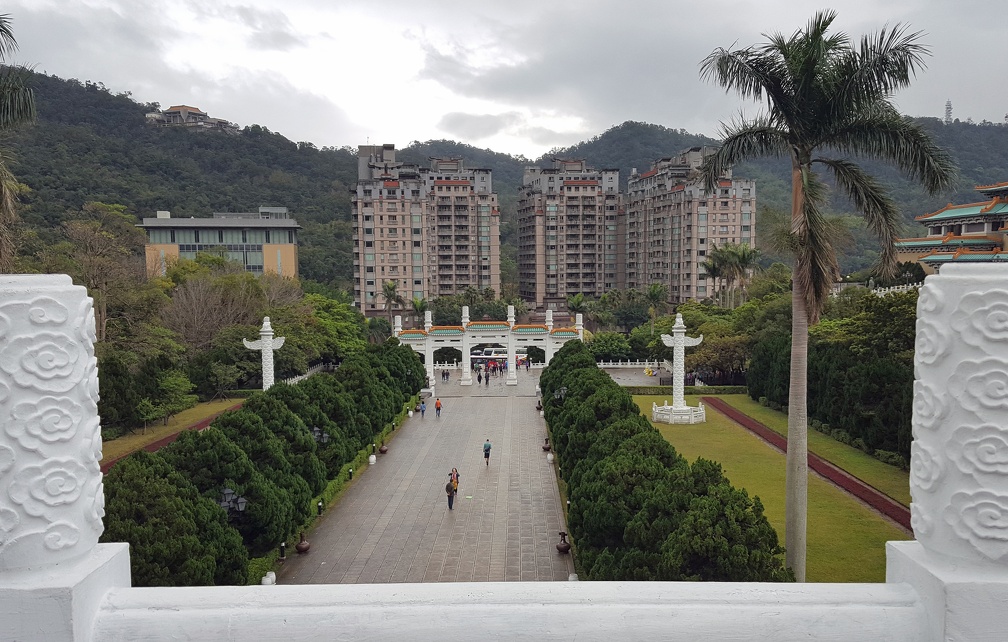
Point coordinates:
[(871, 201), (883, 133), (743, 140), (816, 268), (8, 44), (17, 98)]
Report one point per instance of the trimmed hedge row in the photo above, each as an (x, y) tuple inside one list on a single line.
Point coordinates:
[(282, 452), (638, 509), (864, 400)]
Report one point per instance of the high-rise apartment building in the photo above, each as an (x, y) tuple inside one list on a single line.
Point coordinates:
[(672, 223), (569, 233), (433, 231)]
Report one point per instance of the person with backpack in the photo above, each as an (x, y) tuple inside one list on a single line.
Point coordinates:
[(437, 407), (486, 451)]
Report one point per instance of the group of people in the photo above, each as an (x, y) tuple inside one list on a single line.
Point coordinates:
[(451, 488), (437, 407), (445, 376)]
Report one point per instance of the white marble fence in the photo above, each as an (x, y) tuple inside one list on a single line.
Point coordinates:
[(951, 583)]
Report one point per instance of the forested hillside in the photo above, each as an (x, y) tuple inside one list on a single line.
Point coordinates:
[(91, 145)]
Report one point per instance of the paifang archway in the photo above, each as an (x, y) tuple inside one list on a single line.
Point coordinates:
[(471, 333)]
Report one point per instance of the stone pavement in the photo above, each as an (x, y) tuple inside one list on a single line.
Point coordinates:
[(393, 522)]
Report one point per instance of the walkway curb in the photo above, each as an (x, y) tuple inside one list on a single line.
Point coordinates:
[(866, 493)]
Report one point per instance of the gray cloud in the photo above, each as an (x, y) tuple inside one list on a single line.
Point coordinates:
[(593, 62), (477, 126)]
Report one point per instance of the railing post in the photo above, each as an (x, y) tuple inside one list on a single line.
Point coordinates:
[(53, 572), (959, 455)]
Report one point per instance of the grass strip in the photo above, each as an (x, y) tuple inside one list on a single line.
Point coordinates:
[(846, 539), (889, 480)]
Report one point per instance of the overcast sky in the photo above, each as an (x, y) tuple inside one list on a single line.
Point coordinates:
[(518, 76)]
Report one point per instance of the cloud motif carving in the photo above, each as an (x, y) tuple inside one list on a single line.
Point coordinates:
[(981, 518), (980, 386), (929, 407), (980, 450), (932, 343), (982, 318), (46, 361), (926, 467), (54, 482), (45, 421)]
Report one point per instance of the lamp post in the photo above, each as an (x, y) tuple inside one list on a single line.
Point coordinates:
[(231, 502), (321, 436)]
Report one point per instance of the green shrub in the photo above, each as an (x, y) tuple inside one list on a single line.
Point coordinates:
[(815, 424), (763, 401), (784, 409), (841, 435), (891, 458), (774, 405), (860, 444)]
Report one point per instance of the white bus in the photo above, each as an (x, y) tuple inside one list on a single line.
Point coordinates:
[(482, 355)]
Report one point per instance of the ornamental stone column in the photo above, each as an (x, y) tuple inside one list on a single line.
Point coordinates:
[(266, 344), (512, 371), (959, 454), (466, 378), (53, 572), (678, 342), (429, 348), (549, 337)]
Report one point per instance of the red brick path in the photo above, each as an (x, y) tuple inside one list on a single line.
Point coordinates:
[(869, 495)]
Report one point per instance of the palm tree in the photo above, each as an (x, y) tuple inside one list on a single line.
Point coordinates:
[(657, 297), (17, 106), (714, 267), (390, 292), (420, 306), (823, 93), (745, 261)]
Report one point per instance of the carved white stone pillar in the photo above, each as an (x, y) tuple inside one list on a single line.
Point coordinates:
[(53, 574), (397, 325), (579, 325), (549, 337), (959, 456), (429, 348), (512, 372), (266, 344), (466, 378), (678, 342)]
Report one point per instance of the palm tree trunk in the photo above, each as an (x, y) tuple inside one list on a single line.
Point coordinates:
[(796, 465), (796, 480)]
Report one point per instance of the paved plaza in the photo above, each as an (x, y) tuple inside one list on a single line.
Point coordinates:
[(393, 522)]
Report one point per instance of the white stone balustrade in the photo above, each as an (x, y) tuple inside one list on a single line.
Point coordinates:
[(950, 584)]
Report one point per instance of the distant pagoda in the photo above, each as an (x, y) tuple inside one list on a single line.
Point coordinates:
[(969, 233)]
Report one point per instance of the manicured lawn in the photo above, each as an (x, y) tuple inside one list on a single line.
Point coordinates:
[(846, 539), (888, 479), (126, 444)]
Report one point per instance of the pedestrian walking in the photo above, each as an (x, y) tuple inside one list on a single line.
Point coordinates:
[(437, 407), (487, 380), (454, 477), (486, 451), (451, 494), (423, 408), (479, 378)]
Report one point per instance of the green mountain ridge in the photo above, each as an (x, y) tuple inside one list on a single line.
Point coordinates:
[(92, 145)]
